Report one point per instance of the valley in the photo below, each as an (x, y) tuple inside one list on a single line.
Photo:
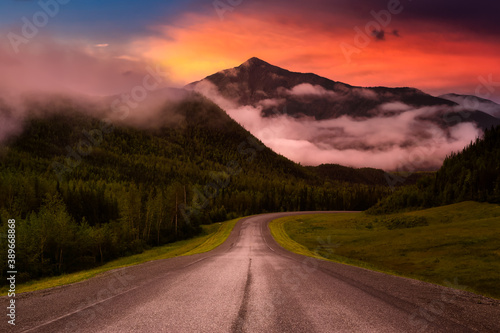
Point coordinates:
[(249, 166)]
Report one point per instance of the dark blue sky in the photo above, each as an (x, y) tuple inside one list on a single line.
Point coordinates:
[(120, 18), (116, 19)]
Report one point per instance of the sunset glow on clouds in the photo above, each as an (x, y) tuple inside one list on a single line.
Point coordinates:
[(435, 47), (107, 48), (435, 57), (402, 141)]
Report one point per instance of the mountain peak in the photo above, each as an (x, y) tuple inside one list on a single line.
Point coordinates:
[(254, 61), (262, 85)]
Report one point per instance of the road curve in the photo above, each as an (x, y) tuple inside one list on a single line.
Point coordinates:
[(251, 284)]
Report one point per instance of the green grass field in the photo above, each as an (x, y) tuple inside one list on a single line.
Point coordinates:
[(459, 241), (213, 236)]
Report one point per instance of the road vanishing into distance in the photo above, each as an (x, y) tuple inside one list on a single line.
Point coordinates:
[(251, 284)]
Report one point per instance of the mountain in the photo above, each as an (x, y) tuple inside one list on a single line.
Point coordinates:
[(474, 102), (256, 82), (277, 91)]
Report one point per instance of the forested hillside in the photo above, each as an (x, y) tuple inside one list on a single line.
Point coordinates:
[(473, 174), (368, 176), (83, 191)]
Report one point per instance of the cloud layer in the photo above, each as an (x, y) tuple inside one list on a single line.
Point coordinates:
[(306, 89), (48, 65), (396, 138), (444, 54), (50, 69)]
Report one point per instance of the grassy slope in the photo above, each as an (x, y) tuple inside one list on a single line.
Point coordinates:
[(213, 236), (461, 241)]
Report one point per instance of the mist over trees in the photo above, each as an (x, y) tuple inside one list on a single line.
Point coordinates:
[(83, 194), (79, 204), (472, 174)]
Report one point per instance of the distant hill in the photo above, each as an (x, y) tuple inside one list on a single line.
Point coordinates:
[(368, 176), (472, 174), (337, 172), (474, 102)]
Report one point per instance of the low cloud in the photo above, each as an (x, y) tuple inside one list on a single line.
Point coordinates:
[(82, 73), (10, 120), (272, 102), (46, 65), (395, 138), (363, 92), (378, 34), (473, 103), (306, 89)]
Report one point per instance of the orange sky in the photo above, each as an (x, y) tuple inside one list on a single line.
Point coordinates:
[(430, 60), (440, 47)]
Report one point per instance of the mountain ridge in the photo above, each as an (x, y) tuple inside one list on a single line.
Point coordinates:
[(474, 102), (256, 77), (279, 91)]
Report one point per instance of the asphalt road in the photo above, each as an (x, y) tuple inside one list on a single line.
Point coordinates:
[(250, 284)]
